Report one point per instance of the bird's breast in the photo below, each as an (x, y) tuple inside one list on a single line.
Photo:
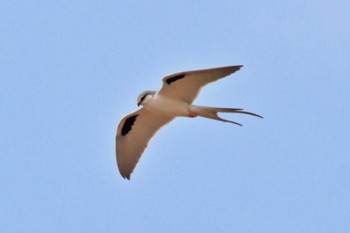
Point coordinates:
[(167, 106)]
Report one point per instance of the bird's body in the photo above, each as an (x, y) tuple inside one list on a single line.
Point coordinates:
[(174, 99), (159, 104)]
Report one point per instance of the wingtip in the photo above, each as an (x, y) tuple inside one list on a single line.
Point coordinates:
[(127, 177), (236, 67)]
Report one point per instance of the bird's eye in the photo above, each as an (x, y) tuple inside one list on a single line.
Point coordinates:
[(143, 98)]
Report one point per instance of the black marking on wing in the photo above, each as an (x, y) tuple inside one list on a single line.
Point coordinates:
[(129, 122), (173, 79)]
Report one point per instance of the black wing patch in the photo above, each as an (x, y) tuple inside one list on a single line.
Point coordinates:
[(128, 124), (173, 79)]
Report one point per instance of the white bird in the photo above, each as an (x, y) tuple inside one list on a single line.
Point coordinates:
[(174, 99)]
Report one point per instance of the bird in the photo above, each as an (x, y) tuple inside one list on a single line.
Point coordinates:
[(174, 99)]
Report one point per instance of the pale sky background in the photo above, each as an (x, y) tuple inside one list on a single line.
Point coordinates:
[(70, 70)]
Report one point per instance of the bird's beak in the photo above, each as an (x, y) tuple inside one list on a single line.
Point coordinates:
[(138, 104)]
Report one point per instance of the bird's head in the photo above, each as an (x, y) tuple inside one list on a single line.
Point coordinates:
[(144, 97)]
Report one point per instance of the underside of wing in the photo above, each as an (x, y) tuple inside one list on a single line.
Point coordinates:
[(186, 85), (133, 134)]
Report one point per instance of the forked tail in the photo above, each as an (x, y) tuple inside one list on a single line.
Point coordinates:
[(212, 113)]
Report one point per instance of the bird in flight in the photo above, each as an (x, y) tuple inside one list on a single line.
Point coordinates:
[(174, 99)]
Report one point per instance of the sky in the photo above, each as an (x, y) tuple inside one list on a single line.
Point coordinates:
[(70, 70)]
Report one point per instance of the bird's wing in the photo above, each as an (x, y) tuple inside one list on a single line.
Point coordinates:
[(186, 85), (133, 134)]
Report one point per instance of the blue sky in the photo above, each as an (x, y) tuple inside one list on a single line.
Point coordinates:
[(70, 70)]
